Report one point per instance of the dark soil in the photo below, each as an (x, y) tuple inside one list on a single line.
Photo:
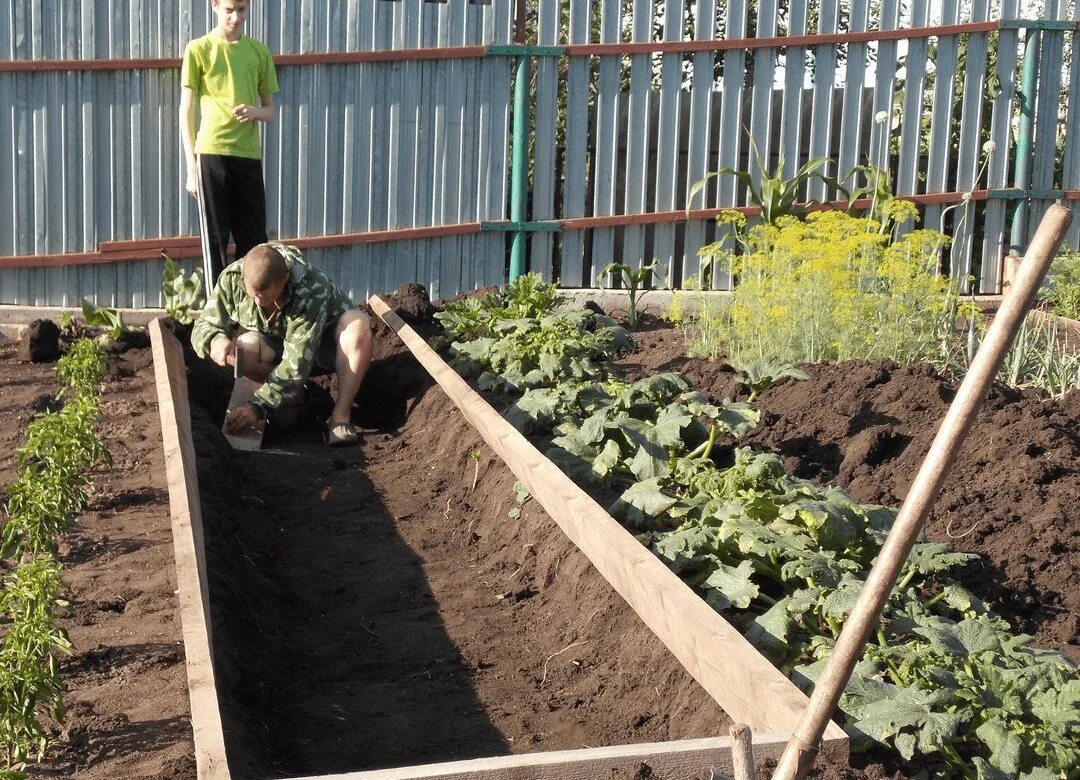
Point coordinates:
[(40, 342), (376, 606)]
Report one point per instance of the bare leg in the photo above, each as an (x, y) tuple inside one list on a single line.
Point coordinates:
[(353, 359), (258, 356)]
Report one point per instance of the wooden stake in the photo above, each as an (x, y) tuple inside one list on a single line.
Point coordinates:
[(802, 750), (742, 752)]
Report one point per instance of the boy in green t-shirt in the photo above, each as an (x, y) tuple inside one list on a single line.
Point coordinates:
[(232, 79)]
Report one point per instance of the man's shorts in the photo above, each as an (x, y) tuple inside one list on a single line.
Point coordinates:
[(325, 361)]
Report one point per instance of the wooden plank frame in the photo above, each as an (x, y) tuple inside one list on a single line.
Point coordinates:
[(743, 683), (185, 509)]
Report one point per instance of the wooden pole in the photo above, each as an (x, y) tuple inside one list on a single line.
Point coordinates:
[(801, 751), (742, 752)]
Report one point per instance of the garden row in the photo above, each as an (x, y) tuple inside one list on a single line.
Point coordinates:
[(53, 485), (783, 558)]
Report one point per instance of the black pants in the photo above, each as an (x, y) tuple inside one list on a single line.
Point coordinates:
[(233, 201)]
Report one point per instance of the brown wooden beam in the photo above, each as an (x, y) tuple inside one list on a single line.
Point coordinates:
[(182, 247), (824, 39), (280, 60), (186, 511)]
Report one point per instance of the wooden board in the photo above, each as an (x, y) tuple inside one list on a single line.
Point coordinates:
[(188, 547), (746, 685), (692, 758)]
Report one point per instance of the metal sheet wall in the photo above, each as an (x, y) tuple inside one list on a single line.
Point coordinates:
[(92, 156), (641, 129)]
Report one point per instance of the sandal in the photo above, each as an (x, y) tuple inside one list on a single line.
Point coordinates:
[(342, 434)]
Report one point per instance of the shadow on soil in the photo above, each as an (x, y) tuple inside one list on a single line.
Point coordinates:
[(330, 653)]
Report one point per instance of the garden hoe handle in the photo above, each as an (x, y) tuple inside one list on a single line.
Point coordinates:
[(801, 751)]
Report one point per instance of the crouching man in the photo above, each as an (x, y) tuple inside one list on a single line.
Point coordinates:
[(292, 322)]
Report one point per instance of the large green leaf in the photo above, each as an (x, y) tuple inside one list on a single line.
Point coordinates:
[(669, 425), (918, 712), (729, 586), (770, 632), (641, 502), (1007, 751), (649, 462), (607, 459), (966, 638)]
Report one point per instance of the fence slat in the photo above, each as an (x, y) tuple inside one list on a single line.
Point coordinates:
[(1070, 176), (668, 134), (637, 136), (543, 169), (791, 111), (575, 160), (1044, 159), (941, 111), (761, 95), (730, 131), (911, 119), (969, 151), (697, 157), (821, 111), (851, 115), (607, 139), (996, 243)]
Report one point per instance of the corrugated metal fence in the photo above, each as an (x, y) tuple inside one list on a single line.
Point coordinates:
[(656, 93), (375, 132), (389, 157)]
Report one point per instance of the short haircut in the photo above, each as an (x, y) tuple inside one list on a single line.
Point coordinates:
[(264, 266)]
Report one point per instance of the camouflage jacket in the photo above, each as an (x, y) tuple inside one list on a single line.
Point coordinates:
[(311, 300)]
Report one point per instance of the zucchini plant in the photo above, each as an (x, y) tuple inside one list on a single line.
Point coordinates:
[(784, 559)]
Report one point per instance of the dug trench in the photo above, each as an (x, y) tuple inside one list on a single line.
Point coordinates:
[(378, 606)]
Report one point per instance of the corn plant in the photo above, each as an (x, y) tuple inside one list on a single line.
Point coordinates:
[(774, 194), (634, 281)]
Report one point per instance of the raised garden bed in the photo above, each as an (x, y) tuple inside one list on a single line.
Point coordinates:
[(383, 594), (865, 426)]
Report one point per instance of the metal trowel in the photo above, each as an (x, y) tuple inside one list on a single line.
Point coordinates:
[(242, 392)]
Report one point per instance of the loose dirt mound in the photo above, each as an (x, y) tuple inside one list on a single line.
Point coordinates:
[(376, 606)]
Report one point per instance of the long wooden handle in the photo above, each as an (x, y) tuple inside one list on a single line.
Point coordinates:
[(801, 751)]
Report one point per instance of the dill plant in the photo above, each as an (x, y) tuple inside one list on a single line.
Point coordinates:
[(826, 288), (1062, 287)]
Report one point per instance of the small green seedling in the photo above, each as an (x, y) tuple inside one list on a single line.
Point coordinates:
[(475, 455), (634, 281)]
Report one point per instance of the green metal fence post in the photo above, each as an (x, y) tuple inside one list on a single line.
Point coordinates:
[(1022, 176), (519, 181)]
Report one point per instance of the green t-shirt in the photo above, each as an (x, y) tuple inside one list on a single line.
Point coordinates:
[(224, 75)]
